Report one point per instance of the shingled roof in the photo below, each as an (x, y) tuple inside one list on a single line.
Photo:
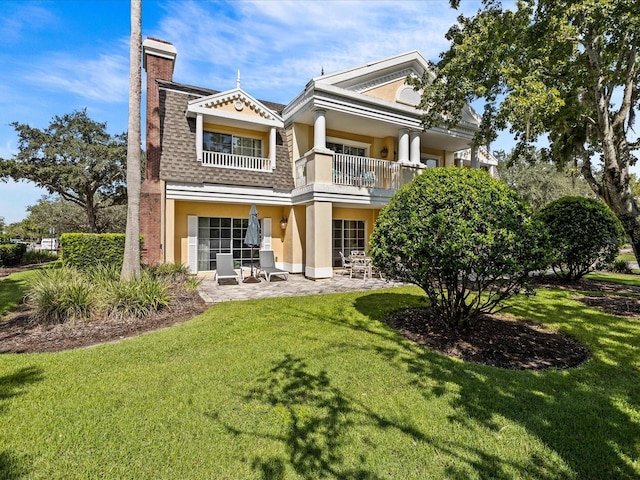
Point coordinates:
[(178, 142)]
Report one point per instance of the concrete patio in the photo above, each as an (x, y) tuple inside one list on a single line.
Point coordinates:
[(297, 285)]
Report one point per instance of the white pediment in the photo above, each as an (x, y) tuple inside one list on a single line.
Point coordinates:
[(384, 79), (235, 105)]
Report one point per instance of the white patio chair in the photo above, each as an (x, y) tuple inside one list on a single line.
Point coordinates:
[(346, 264), (361, 264), (268, 266), (224, 268)]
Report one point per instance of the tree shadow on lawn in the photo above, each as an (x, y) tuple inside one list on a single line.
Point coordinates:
[(11, 385), (578, 413), (320, 417)]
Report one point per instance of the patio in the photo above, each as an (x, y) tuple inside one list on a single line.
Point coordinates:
[(297, 285)]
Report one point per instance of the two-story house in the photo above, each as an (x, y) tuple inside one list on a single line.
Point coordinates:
[(318, 169)]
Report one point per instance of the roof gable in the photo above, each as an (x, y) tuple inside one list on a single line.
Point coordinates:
[(384, 79), (236, 105)]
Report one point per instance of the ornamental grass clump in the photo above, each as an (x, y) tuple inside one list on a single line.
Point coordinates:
[(171, 272), (462, 236), (62, 294), (137, 297)]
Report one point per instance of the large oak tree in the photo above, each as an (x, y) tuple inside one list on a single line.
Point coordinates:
[(73, 157), (563, 68)]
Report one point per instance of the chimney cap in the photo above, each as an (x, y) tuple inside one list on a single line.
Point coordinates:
[(158, 48)]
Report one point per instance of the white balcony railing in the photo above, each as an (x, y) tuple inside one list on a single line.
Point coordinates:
[(365, 172), (241, 162), (301, 172)]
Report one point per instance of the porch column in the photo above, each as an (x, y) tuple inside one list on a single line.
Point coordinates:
[(199, 136), (415, 148), (318, 249), (320, 130), (403, 146), (475, 159), (272, 147)]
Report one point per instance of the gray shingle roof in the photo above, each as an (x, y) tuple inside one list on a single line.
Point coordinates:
[(178, 144)]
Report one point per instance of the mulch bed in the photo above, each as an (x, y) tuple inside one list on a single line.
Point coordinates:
[(19, 333), (513, 344), (492, 340)]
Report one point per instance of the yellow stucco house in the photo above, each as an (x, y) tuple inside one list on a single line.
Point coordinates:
[(318, 169)]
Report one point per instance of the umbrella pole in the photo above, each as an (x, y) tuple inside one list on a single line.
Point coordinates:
[(252, 278)]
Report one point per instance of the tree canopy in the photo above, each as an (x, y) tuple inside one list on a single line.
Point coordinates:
[(67, 217), (73, 157), (539, 182), (567, 69)]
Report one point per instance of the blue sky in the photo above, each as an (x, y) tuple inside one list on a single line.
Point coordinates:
[(64, 55)]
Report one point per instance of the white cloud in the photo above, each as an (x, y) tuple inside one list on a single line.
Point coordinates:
[(20, 19), (279, 46), (104, 78)]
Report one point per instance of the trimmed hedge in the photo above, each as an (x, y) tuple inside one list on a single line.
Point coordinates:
[(84, 250), (11, 253)]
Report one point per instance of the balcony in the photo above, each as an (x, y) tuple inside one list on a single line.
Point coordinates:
[(353, 171), (239, 162)]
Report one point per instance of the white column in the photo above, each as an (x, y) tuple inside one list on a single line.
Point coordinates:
[(199, 136), (320, 131), (414, 154), (272, 147), (475, 159), (403, 146)]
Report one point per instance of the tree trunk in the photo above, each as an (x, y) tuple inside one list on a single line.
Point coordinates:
[(614, 188), (131, 263), (90, 210)]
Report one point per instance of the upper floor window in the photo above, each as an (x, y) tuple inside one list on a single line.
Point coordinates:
[(347, 148), (226, 143)]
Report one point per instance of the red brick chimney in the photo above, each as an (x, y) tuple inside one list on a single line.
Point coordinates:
[(158, 61)]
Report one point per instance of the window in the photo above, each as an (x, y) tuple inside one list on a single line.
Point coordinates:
[(347, 149), (430, 161), (223, 235), (225, 143), (347, 235)]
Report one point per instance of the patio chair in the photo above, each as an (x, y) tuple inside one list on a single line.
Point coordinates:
[(268, 266), (224, 268), (346, 264), (361, 264)]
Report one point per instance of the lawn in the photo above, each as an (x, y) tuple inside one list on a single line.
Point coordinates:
[(12, 290), (319, 387)]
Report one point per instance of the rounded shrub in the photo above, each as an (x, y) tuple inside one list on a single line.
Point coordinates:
[(585, 235), (462, 236)]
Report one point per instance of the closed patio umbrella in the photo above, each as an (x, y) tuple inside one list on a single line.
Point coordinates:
[(252, 239)]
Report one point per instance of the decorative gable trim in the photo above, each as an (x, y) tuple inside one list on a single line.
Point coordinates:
[(208, 106), (376, 82)]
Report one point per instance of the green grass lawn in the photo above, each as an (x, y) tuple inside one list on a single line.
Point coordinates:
[(318, 387), (627, 257), (13, 289)]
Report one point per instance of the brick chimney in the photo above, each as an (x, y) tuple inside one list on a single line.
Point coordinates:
[(158, 61)]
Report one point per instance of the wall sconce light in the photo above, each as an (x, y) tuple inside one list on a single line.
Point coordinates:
[(384, 152), (283, 223)]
